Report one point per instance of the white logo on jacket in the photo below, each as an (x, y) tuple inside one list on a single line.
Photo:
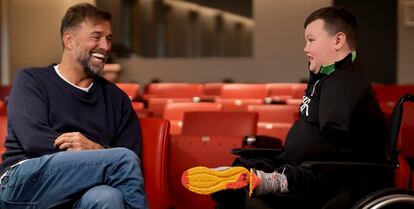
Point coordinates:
[(306, 100), (305, 105)]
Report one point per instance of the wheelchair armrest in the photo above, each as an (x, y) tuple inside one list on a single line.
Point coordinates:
[(262, 141), (348, 167), (255, 152)]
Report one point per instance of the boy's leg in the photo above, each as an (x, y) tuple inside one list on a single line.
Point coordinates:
[(203, 180), (52, 179), (228, 185)]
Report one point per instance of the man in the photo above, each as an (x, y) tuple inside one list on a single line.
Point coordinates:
[(63, 121), (339, 119)]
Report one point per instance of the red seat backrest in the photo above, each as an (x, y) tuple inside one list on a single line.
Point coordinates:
[(3, 108), (220, 123), (155, 140), (244, 91), (190, 151), (3, 133), (405, 146), (131, 89), (213, 89), (175, 111), (179, 90), (280, 89), (275, 113), (392, 92), (407, 132)]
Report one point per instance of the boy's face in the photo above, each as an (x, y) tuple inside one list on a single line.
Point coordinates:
[(320, 45)]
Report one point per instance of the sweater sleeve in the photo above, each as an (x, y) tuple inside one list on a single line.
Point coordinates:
[(338, 101), (128, 133), (28, 116)]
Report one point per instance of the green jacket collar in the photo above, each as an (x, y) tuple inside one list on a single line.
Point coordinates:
[(328, 69)]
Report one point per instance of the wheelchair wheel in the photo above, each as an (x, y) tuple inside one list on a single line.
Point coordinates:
[(387, 199)]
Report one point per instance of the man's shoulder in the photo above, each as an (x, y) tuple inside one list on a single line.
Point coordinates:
[(36, 71), (105, 83), (110, 87)]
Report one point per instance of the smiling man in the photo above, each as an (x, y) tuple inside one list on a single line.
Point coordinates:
[(73, 138)]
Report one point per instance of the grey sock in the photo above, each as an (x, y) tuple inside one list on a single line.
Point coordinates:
[(271, 183)]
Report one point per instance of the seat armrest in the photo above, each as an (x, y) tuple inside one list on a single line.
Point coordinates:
[(248, 153), (262, 141)]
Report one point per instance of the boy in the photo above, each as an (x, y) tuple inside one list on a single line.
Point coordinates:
[(339, 119)]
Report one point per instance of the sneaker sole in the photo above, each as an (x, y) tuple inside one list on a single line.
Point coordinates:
[(203, 180), (254, 182)]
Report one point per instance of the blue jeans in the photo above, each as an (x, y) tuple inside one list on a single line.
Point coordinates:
[(108, 178)]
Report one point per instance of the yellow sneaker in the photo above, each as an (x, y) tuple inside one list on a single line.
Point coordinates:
[(203, 180), (254, 181)]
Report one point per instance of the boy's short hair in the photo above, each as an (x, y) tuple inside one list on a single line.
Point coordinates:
[(79, 13), (337, 19)]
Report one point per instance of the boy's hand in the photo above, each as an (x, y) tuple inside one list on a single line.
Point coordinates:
[(75, 141)]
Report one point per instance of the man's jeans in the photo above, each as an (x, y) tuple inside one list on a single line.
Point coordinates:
[(108, 178)]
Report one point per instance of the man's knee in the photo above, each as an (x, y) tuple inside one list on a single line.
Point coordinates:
[(101, 197), (124, 153)]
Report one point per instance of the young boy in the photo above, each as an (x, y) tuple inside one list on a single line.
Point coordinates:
[(339, 119)]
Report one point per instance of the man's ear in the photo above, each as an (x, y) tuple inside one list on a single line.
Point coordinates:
[(68, 39), (340, 40)]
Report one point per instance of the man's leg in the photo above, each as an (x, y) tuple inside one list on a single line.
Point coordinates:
[(97, 198), (52, 179)]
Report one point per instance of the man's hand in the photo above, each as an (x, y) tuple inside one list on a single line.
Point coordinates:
[(75, 141)]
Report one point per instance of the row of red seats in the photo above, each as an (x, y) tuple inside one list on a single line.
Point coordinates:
[(206, 139), (241, 90), (238, 96), (280, 91), (273, 120), (171, 100), (233, 97)]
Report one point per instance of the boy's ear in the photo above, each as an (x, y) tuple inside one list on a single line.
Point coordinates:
[(340, 40)]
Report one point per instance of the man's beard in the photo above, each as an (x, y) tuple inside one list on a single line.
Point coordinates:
[(89, 68)]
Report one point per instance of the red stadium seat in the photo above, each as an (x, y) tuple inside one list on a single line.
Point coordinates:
[(5, 91), (244, 91), (189, 151), (3, 108), (275, 120), (155, 140), (229, 104), (404, 174), (392, 93), (157, 105), (131, 89), (298, 90), (220, 123), (176, 90), (280, 92), (174, 112), (3, 133), (213, 89)]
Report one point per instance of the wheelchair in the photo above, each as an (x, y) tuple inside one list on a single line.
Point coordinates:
[(397, 169)]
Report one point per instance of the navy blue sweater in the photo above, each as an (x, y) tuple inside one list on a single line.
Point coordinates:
[(42, 106)]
